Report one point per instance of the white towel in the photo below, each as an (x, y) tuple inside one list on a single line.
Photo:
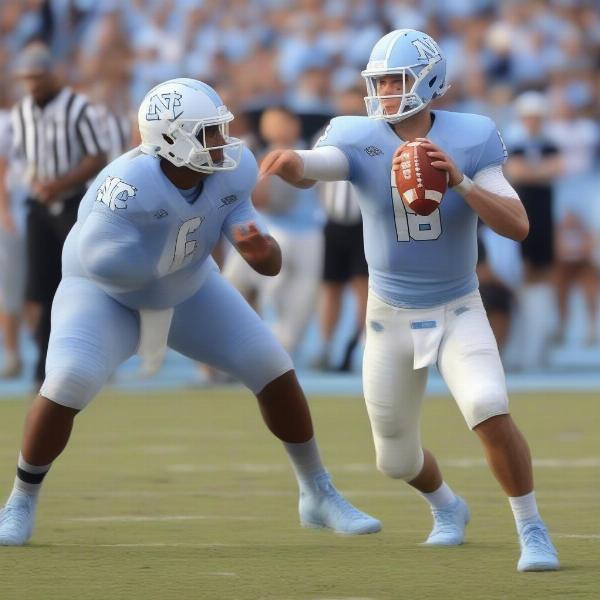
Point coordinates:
[(154, 332)]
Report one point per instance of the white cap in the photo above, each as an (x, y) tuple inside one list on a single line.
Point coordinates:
[(34, 59), (531, 104)]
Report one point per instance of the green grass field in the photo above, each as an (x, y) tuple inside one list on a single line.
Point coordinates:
[(186, 495)]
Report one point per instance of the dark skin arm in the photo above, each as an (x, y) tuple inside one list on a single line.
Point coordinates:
[(260, 251)]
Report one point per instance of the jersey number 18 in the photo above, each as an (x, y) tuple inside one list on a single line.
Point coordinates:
[(410, 225)]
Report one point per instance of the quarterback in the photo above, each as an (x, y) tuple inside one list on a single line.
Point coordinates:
[(424, 307), (138, 277)]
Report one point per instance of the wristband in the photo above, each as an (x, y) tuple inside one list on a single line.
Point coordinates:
[(464, 186)]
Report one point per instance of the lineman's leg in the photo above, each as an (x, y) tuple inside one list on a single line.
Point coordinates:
[(216, 326), (470, 363), (91, 335), (394, 393)]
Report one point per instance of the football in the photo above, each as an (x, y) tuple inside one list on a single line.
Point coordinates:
[(420, 185)]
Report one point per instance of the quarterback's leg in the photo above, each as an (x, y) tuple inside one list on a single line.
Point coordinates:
[(218, 327), (91, 335), (470, 364), (394, 393)]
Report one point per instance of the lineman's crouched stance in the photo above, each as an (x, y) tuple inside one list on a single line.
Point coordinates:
[(137, 276)]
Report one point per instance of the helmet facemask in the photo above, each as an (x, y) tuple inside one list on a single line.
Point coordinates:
[(411, 102), (187, 144)]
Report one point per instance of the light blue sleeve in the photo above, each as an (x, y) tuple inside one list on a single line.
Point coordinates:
[(244, 179), (336, 134), (112, 252), (242, 214), (493, 149)]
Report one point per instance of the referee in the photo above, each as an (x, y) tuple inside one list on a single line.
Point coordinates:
[(59, 138)]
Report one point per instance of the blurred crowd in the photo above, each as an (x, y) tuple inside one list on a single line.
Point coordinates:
[(534, 67)]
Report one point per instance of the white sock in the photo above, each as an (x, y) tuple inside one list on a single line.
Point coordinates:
[(524, 508), (29, 477), (441, 498), (305, 460)]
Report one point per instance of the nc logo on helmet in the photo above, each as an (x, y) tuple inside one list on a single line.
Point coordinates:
[(164, 106), (427, 48)]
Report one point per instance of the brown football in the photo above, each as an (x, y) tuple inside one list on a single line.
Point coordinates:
[(420, 185)]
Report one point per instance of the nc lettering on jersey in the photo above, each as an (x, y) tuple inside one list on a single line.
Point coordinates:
[(114, 192), (164, 106), (427, 49)]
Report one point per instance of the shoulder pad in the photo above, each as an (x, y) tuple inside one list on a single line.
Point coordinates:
[(346, 131), (120, 184)]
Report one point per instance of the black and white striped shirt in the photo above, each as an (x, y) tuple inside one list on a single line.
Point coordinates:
[(54, 139), (340, 201), (118, 132)]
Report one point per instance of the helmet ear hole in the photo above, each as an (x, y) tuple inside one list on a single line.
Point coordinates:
[(432, 81), (168, 139)]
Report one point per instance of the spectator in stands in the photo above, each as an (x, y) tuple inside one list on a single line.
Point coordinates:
[(534, 164), (300, 54), (574, 247)]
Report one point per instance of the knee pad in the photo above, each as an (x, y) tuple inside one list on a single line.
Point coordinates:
[(399, 459), (73, 381)]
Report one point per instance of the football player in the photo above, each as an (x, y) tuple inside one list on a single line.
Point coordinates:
[(424, 307), (137, 276)]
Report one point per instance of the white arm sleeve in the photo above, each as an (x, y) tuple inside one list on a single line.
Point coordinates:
[(492, 180), (325, 164)]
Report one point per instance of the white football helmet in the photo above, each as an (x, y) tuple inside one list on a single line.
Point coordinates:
[(173, 118), (405, 52)]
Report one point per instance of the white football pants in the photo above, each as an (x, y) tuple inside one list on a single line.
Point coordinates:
[(293, 293), (401, 343)]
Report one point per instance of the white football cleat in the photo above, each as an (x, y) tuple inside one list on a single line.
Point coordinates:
[(449, 524), (321, 505), (17, 519), (537, 551)]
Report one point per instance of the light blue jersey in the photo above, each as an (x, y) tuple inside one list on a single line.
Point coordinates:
[(146, 243), (416, 261)]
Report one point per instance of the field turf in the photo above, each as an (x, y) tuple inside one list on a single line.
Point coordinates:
[(186, 495)]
